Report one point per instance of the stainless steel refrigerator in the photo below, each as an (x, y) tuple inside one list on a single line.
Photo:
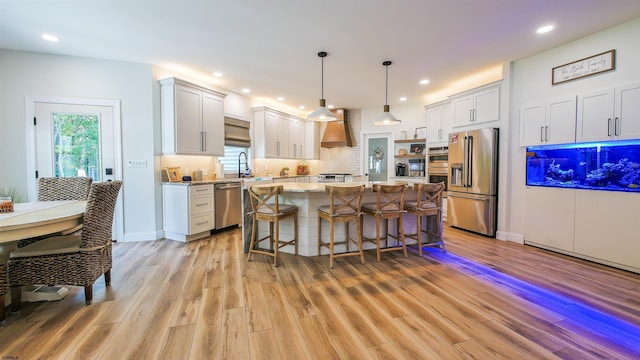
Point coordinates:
[(473, 180)]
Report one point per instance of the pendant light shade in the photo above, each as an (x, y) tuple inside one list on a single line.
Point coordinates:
[(322, 113), (386, 118)]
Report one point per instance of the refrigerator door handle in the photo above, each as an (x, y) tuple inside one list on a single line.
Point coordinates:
[(462, 195), (465, 163), (469, 160)]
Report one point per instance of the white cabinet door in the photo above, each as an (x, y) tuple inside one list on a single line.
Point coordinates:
[(478, 107), (611, 231), (561, 121), (283, 137), (188, 113), (212, 125), (532, 124), (297, 136), (595, 116), (439, 120), (627, 112), (462, 111), (311, 140), (549, 217), (270, 135)]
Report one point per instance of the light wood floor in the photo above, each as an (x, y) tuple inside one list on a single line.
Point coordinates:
[(483, 299)]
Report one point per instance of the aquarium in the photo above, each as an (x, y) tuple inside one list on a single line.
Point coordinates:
[(613, 166)]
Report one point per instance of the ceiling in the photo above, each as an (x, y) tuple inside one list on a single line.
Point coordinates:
[(271, 46)]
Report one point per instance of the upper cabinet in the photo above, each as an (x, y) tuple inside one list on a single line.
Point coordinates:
[(311, 140), (477, 106), (277, 134), (548, 122), (439, 119), (192, 117), (610, 114)]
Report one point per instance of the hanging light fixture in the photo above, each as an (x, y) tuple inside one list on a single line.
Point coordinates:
[(386, 118), (322, 113)]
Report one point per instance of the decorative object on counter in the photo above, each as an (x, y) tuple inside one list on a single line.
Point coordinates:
[(322, 113), (420, 133), (611, 166), (186, 178), (592, 65), (284, 171), (386, 118), (6, 204), (417, 148), (197, 175), (173, 174)]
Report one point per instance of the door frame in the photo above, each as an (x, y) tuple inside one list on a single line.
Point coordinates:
[(391, 151), (29, 111)]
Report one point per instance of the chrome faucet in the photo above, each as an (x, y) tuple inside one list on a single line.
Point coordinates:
[(246, 163)]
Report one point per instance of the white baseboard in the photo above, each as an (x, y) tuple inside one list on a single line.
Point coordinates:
[(143, 236), (507, 236)]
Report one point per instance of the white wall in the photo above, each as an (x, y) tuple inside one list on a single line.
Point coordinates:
[(531, 81)]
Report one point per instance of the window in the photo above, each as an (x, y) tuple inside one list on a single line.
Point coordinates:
[(230, 159)]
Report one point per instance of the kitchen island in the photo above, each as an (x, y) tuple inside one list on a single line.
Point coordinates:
[(308, 197)]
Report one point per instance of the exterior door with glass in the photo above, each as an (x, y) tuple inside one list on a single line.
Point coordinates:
[(377, 160)]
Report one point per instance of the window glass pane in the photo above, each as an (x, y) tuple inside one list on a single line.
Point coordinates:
[(76, 145), (230, 159)]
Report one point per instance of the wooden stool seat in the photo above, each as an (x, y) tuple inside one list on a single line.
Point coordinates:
[(344, 206), (428, 203), (265, 206), (389, 205)]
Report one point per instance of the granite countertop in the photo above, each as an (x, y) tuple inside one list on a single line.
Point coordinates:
[(319, 187), (202, 182)]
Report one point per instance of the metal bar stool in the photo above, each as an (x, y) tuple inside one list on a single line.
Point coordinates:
[(389, 205), (266, 206), (345, 204), (428, 203)]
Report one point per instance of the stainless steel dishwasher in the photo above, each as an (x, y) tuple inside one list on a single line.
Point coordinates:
[(228, 200)]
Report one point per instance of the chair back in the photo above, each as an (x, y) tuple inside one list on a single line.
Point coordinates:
[(98, 215), (429, 193), (390, 198), (63, 188), (344, 200), (264, 199)]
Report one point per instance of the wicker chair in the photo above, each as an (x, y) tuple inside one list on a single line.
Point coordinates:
[(77, 260), (428, 203), (3, 290), (58, 189)]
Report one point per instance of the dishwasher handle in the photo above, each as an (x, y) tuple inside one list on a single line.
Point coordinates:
[(226, 187)]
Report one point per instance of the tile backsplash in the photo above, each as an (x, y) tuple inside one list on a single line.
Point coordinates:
[(189, 164)]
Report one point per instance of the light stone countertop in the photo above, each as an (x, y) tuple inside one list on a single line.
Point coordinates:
[(319, 187)]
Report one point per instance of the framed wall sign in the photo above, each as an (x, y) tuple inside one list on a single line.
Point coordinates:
[(592, 65)]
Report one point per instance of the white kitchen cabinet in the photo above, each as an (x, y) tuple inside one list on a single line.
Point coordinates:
[(477, 106), (548, 122), (549, 218), (271, 133), (311, 140), (296, 138), (188, 211), (439, 119), (609, 114), (192, 117), (609, 233)]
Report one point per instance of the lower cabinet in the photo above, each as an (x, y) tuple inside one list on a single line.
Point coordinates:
[(188, 211), (601, 226)]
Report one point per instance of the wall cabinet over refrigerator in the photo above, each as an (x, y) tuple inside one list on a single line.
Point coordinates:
[(609, 114), (439, 119), (548, 122), (192, 117), (477, 106)]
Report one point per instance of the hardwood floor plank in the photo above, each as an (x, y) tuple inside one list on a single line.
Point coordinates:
[(235, 342), (257, 309), (175, 346), (152, 337), (262, 346), (207, 335), (316, 338)]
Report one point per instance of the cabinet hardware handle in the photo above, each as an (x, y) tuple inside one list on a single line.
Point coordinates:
[(546, 133), (199, 190), (475, 115), (616, 123), (278, 148), (205, 204), (471, 115), (202, 223), (205, 141), (541, 130), (609, 127), (201, 140)]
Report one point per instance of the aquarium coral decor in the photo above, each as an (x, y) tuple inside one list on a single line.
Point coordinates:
[(555, 175), (623, 173)]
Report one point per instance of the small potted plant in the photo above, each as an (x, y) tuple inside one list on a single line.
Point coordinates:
[(284, 171)]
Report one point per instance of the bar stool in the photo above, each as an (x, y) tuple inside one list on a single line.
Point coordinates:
[(345, 204), (428, 203), (4, 288), (389, 205), (265, 206)]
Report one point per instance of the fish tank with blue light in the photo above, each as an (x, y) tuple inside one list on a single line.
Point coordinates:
[(612, 166)]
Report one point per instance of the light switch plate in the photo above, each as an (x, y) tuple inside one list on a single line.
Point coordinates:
[(137, 163)]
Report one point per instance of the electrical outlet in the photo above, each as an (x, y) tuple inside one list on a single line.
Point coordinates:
[(137, 163)]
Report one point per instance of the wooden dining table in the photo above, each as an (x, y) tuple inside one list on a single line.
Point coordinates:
[(38, 219)]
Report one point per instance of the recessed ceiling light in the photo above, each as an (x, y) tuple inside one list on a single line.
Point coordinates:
[(217, 74), (301, 107), (280, 98), (246, 90), (50, 37), (424, 82), (330, 106), (403, 99), (544, 29)]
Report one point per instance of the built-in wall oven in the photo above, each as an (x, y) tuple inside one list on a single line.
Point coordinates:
[(438, 165)]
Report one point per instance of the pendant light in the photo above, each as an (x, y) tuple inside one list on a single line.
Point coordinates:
[(322, 113), (386, 118)]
